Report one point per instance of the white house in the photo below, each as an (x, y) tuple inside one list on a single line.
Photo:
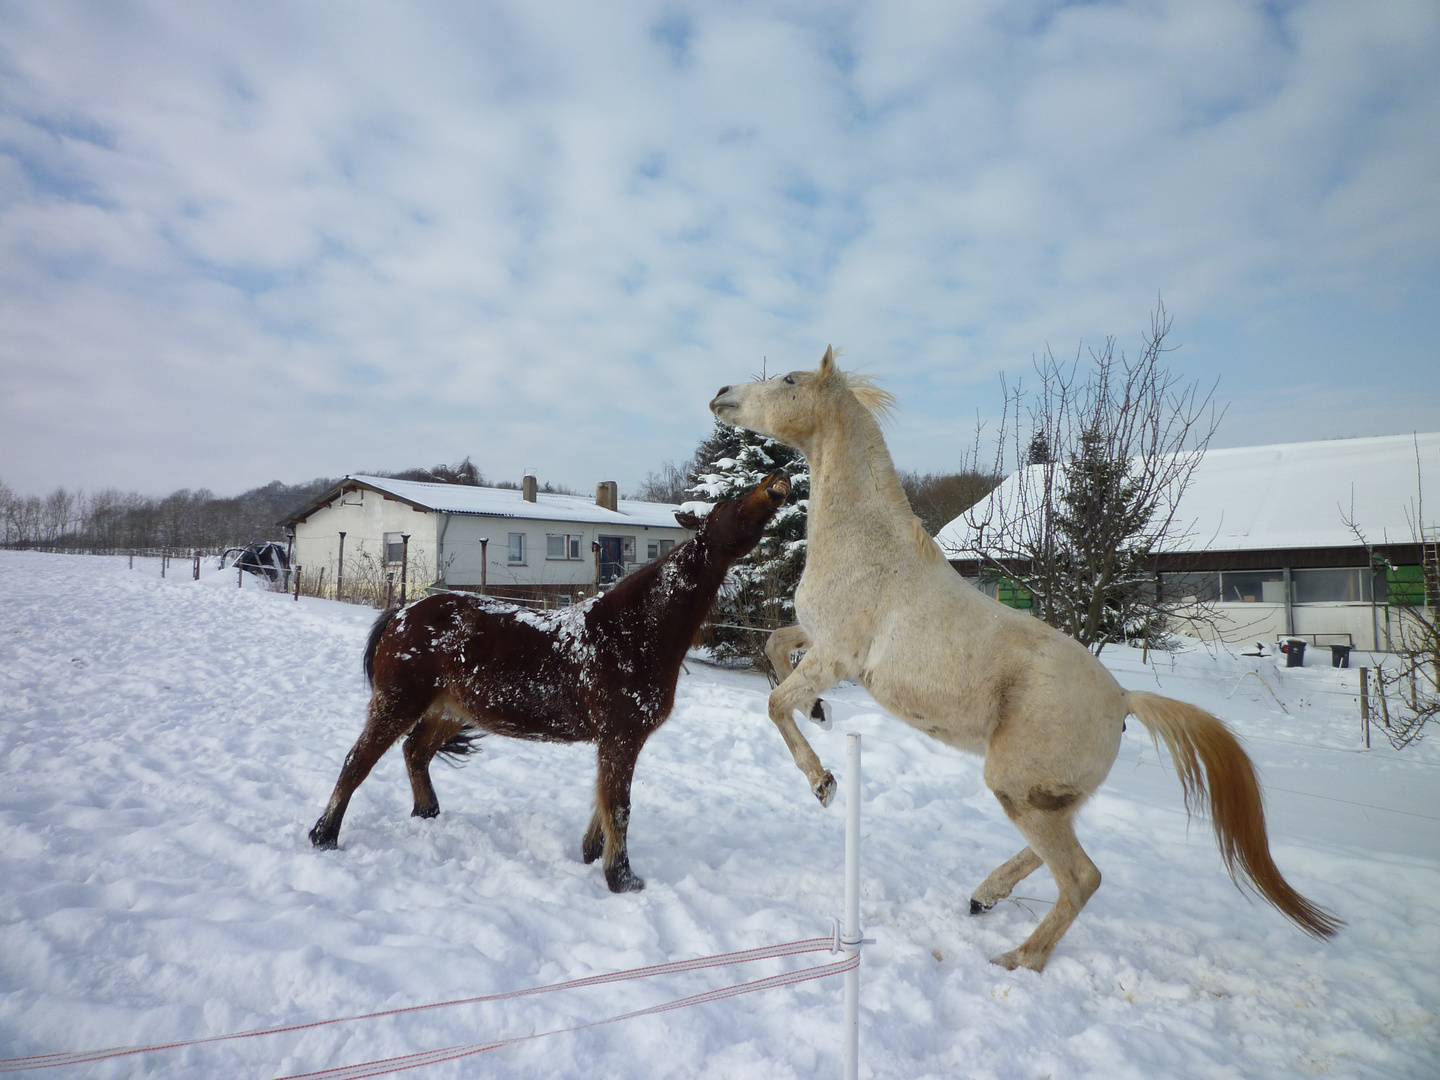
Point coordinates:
[(1263, 537), (523, 543)]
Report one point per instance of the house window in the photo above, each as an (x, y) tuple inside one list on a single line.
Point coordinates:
[(1252, 586), (562, 546), (516, 552), (658, 549), (1351, 585), (394, 548)]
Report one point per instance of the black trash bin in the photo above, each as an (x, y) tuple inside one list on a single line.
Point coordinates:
[(1339, 655), (1294, 653)]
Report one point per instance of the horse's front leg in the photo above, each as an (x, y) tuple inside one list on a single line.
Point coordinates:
[(816, 673), (779, 647), (610, 823)]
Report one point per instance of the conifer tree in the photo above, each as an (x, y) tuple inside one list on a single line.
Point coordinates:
[(759, 594), (1101, 525)]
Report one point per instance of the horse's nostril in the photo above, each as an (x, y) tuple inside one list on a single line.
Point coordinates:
[(722, 390)]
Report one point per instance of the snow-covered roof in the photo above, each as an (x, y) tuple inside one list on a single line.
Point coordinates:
[(1290, 495), (510, 503)]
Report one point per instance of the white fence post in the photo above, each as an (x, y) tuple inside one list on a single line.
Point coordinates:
[(852, 939)]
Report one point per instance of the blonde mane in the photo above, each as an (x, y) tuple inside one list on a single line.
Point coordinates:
[(879, 403)]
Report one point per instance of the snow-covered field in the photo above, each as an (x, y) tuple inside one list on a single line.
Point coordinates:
[(165, 746)]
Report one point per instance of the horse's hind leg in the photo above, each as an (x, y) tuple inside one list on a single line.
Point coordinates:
[(1002, 879), (610, 824), (437, 727), (1052, 838), (388, 718), (779, 647)]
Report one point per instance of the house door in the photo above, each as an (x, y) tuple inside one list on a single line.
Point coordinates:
[(612, 558)]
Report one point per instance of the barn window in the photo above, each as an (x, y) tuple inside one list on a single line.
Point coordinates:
[(516, 552), (1352, 585), (1252, 586), (1190, 588), (658, 549)]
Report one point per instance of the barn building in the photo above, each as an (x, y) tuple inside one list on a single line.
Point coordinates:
[(523, 543), (1266, 540)]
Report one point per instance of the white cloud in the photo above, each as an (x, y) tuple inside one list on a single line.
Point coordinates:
[(240, 243)]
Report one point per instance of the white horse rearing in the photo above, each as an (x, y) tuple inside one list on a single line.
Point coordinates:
[(878, 603)]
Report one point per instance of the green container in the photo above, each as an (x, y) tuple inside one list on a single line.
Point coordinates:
[(1405, 585), (1014, 594)]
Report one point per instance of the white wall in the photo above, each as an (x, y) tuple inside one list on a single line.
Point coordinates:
[(1243, 623), (462, 549), (366, 516)]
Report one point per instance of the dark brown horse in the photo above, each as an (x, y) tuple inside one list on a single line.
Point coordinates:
[(604, 671)]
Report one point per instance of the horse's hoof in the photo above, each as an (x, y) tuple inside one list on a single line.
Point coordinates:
[(623, 881), (1009, 961), (825, 790), (590, 850), (977, 908), (821, 715), (324, 841), (1016, 958), (426, 811)]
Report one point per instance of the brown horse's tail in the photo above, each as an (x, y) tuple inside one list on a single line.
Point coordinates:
[(1216, 773), (376, 632)]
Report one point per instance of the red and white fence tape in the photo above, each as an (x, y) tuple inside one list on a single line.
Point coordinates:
[(450, 1053), (792, 948)]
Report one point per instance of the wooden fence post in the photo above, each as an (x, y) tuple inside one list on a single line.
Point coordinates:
[(340, 568), (1365, 704), (404, 565), (297, 583)]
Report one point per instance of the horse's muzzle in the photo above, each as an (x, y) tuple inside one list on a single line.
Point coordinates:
[(725, 399)]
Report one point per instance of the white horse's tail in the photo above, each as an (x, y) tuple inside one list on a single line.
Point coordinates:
[(1217, 775)]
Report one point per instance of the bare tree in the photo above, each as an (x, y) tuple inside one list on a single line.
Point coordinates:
[(939, 498), (1103, 458), (7, 513), (1408, 688), (669, 484)]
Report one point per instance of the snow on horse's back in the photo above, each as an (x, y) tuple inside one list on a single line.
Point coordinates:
[(880, 604)]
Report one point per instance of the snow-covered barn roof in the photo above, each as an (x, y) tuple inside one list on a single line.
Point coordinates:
[(1290, 495), (509, 503)]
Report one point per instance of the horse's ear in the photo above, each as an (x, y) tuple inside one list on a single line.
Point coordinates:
[(687, 520), (827, 362)]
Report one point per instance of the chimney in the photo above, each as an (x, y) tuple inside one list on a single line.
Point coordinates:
[(528, 488), (607, 494)]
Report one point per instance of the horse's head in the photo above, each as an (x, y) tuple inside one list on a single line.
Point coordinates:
[(788, 408), (795, 407), (733, 527)]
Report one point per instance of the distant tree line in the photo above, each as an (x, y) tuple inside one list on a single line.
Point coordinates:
[(112, 520)]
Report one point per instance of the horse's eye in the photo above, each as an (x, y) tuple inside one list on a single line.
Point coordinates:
[(790, 379)]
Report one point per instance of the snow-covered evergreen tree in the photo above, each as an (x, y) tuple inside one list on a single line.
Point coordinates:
[(1103, 551), (759, 594)]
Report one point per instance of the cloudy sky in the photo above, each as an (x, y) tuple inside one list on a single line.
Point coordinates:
[(246, 242)]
